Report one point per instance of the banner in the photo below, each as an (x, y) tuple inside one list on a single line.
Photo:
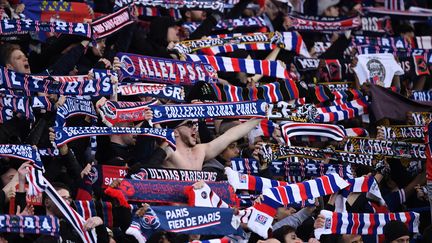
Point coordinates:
[(389, 148), (164, 70), (364, 223), (173, 174), (402, 132), (165, 113), (66, 11), (171, 92), (29, 83), (111, 23), (45, 225), (113, 112), (159, 191), (65, 135)]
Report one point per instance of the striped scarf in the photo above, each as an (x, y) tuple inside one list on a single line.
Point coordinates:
[(72, 107), (206, 5), (68, 212), (23, 152), (204, 197), (111, 23), (292, 129), (364, 223), (10, 104), (342, 112), (420, 118), (91, 208), (223, 240), (393, 42), (291, 41), (302, 23), (251, 183), (171, 92), (227, 64), (261, 218), (45, 225)]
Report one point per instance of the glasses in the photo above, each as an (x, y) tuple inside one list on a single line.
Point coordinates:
[(190, 124)]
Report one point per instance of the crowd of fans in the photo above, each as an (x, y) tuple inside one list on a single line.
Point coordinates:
[(211, 144)]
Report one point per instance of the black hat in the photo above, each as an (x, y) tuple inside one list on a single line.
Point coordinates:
[(394, 230)]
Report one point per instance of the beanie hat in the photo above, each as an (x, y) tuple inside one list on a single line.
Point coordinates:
[(395, 229), (324, 4)]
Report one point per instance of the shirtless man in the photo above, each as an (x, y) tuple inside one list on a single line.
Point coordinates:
[(190, 156)]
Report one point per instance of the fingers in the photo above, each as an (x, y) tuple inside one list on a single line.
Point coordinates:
[(198, 185)]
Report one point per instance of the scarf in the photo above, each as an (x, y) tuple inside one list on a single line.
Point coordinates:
[(173, 174), (212, 5), (273, 152), (171, 92), (10, 104), (166, 113), (67, 134), (150, 191), (303, 23), (112, 23), (113, 112), (271, 92), (393, 42), (73, 107), (155, 12), (23, 152), (248, 182), (37, 180), (186, 220), (262, 214), (399, 14), (389, 148), (229, 24), (418, 95), (223, 240), (292, 129), (29, 83), (372, 25), (290, 41), (420, 118), (204, 197), (337, 86), (345, 111), (424, 42), (45, 225), (22, 26), (250, 66), (364, 223), (164, 70), (91, 208), (402, 132)]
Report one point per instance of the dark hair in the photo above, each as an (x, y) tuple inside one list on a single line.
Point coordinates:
[(57, 186), (6, 52), (280, 233), (405, 28)]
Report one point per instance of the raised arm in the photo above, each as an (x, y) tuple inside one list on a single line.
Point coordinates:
[(216, 146)]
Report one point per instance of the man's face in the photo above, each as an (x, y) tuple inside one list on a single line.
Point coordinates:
[(197, 15), (173, 34), (292, 238), (99, 49), (129, 139), (332, 11), (63, 193), (188, 131), (18, 62), (403, 239), (232, 151)]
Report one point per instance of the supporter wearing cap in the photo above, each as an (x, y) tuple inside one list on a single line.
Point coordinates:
[(396, 232), (328, 8)]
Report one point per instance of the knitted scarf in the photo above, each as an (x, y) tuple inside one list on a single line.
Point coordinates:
[(418, 95), (164, 70), (72, 107), (212, 5), (364, 223), (173, 174), (213, 45), (91, 208), (204, 197), (388, 148), (112, 23), (229, 24), (67, 134), (45, 225), (165, 113), (113, 112), (171, 92), (344, 111), (29, 83), (292, 129), (303, 23), (420, 118), (10, 104), (402, 132), (23, 152)]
